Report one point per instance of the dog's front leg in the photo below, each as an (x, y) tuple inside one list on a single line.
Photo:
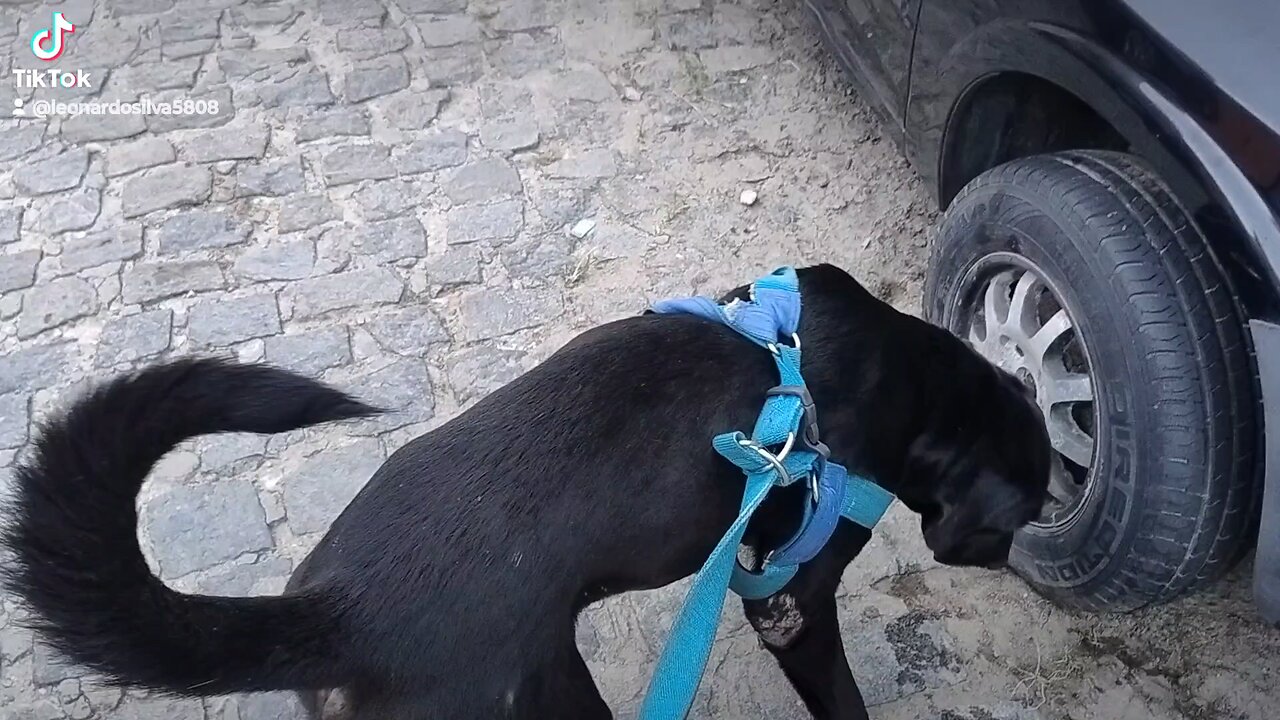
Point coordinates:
[(799, 627)]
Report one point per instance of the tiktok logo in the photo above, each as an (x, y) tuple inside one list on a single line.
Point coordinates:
[(47, 44)]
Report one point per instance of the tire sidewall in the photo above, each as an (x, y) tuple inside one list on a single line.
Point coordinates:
[(1062, 562)]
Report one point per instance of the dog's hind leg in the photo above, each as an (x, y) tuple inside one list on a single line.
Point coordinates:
[(799, 627), (562, 688)]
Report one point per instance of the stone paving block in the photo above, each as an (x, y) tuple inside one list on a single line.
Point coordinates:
[(34, 366), (311, 352), (435, 151), (99, 248), (138, 155), (246, 579), (205, 524), (316, 296), (74, 210), (227, 143), (220, 322), (20, 141), (373, 78), (274, 178), (456, 266), (447, 30), (10, 224), (413, 111), (302, 90), (385, 240), (343, 122), (366, 43), (381, 200), (403, 389), (151, 281), (497, 222), (510, 135), (477, 371), (357, 162), (59, 172), (166, 187), (99, 128), (18, 270), (317, 491), (14, 416), (483, 181), (228, 451), (299, 212), (134, 337), (432, 7), (56, 303), (591, 164), (488, 314), (412, 331), (217, 103), (200, 230), (285, 259)]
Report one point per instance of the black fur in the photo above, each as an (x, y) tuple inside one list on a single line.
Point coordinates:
[(448, 588)]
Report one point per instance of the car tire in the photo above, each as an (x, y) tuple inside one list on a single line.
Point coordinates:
[(1166, 501)]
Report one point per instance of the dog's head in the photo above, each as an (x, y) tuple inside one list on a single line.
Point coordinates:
[(980, 470)]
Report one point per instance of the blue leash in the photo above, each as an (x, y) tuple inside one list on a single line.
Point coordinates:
[(788, 421)]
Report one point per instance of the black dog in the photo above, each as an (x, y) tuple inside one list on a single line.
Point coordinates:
[(449, 587)]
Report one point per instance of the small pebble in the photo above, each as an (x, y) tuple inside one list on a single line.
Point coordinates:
[(631, 94), (748, 197), (582, 228)]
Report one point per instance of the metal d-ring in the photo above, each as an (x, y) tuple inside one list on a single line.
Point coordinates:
[(769, 457), (795, 344)]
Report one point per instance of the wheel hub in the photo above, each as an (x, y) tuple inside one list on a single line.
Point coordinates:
[(1023, 328)]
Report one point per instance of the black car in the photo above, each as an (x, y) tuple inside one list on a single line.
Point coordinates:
[(1110, 176)]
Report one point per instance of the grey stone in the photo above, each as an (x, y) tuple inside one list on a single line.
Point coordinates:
[(592, 164), (311, 352), (515, 56), (433, 7), (218, 105), (735, 58), (186, 49), (159, 707), (301, 212), (477, 371), (10, 224), (510, 135), (327, 482), (76, 210), (49, 667), (56, 303), (520, 17), (316, 296), (403, 389), (483, 180), (385, 240), (497, 222), (451, 65), (586, 85), (60, 172), (273, 178), (413, 111), (354, 163), (124, 8), (20, 141), (200, 230), (265, 64), (247, 579), (14, 416), (198, 526), (371, 79), (447, 30), (456, 266), (366, 43), (539, 259), (411, 331), (18, 270), (166, 187), (151, 281), (287, 259), (134, 337), (99, 248), (303, 90), (388, 199), (228, 450), (228, 143), (342, 12), (436, 151), (34, 367), (487, 314), (250, 15), (97, 128), (334, 123), (154, 77), (138, 155), (615, 240), (224, 321), (270, 706)]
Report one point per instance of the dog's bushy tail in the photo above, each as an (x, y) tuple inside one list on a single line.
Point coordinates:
[(77, 563)]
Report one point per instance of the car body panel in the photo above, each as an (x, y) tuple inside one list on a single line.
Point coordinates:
[(1190, 86)]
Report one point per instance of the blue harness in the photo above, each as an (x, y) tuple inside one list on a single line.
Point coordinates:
[(789, 422)]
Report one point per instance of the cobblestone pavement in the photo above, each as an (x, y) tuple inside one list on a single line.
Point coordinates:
[(383, 200)]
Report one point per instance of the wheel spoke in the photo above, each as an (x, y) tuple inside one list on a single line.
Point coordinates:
[(1067, 438), (1061, 486), (995, 305), (1071, 388), (1054, 328), (1022, 307)]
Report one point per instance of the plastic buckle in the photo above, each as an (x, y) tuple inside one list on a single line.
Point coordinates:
[(809, 434)]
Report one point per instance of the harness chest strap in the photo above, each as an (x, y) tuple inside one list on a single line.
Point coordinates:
[(788, 420)]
